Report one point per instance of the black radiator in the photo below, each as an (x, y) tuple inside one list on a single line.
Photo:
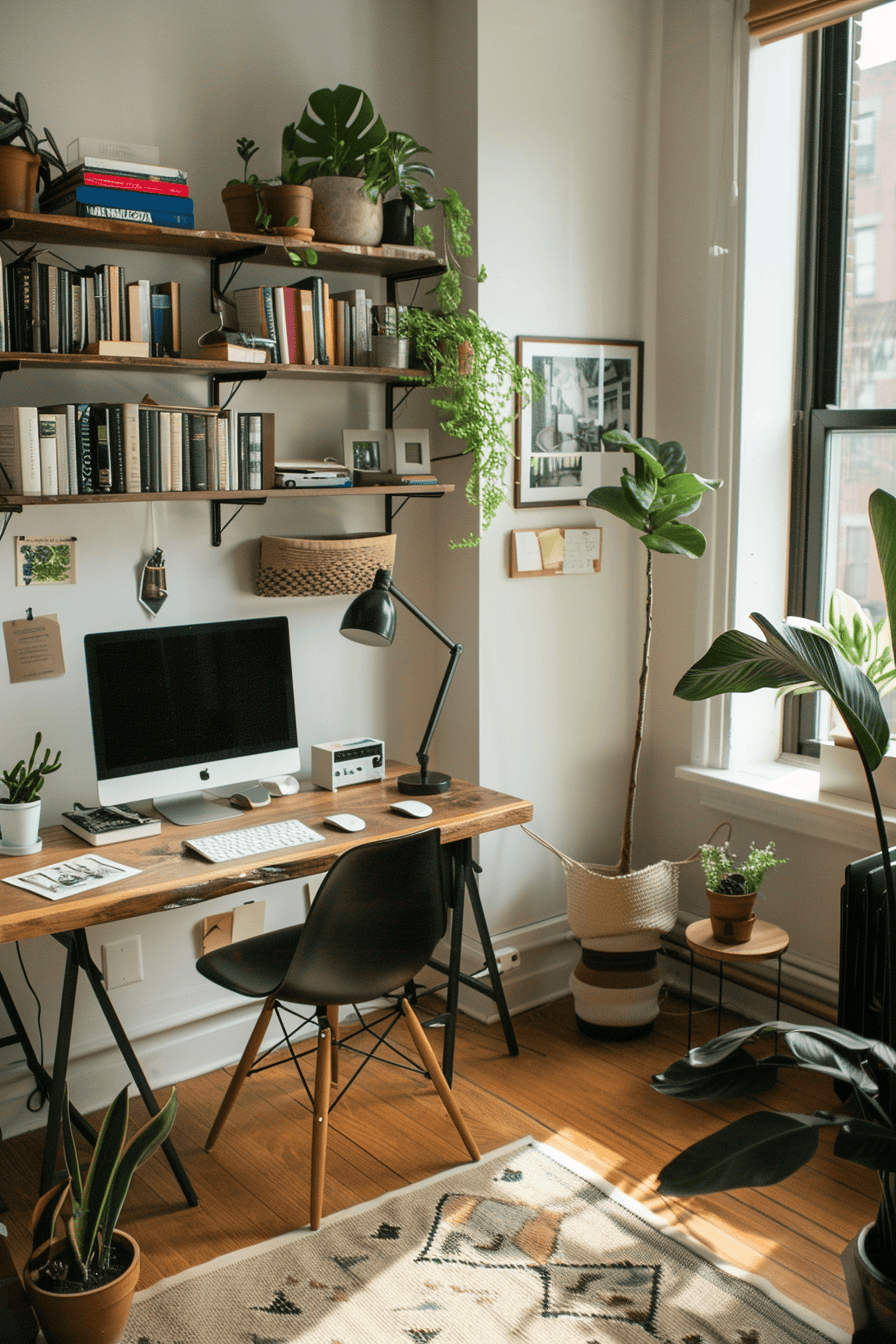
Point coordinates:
[(862, 942)]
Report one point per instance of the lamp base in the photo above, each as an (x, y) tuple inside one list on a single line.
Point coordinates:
[(432, 782)]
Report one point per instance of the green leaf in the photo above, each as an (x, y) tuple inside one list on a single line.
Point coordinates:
[(612, 499), (72, 1165), (737, 662), (100, 1174), (756, 1150), (737, 1075), (338, 129), (882, 512), (640, 493), (676, 539), (672, 457), (142, 1146), (867, 1144)]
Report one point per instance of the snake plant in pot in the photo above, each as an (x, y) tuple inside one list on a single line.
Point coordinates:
[(766, 1147), (81, 1283), (617, 914)]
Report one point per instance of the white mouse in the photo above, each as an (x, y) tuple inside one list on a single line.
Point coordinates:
[(412, 808), (344, 821), (278, 785)]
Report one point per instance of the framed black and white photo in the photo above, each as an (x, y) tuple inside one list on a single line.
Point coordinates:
[(366, 449), (590, 387), (410, 451)]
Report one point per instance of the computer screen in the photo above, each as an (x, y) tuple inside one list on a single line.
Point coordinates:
[(179, 710)]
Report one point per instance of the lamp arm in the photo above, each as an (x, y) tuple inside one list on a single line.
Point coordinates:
[(456, 651)]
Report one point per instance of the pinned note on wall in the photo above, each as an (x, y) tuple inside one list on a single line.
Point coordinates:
[(33, 648), (544, 551)]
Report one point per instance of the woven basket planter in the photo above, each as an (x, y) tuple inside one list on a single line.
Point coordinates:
[(322, 566), (618, 920)]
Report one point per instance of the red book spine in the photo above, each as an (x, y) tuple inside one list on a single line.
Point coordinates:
[(155, 186)]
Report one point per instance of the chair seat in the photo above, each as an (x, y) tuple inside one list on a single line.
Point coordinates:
[(254, 966)]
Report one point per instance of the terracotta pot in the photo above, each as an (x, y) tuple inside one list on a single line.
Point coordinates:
[(731, 917), (340, 213), (241, 204), (18, 178), (872, 1294), (99, 1316), (283, 201)]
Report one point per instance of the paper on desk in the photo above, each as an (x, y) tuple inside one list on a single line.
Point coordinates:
[(57, 880)]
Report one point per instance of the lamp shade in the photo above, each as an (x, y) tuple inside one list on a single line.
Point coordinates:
[(370, 619)]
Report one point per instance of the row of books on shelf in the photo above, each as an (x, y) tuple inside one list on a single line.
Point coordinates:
[(48, 305), (304, 323), (100, 188), (89, 448)]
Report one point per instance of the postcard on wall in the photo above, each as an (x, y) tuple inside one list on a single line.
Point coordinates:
[(588, 387), (45, 560), (33, 648)]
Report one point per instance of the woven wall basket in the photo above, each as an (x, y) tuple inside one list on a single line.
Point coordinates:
[(322, 566)]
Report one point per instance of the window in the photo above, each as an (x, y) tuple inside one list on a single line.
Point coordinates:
[(845, 399)]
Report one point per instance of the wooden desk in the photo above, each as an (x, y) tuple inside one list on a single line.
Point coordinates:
[(171, 876)]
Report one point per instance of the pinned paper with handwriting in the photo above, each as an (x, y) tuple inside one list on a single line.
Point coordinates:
[(543, 551)]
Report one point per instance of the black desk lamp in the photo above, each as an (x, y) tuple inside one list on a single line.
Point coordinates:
[(371, 620)]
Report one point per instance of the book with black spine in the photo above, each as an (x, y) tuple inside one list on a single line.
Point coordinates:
[(198, 457), (102, 453), (144, 416), (84, 449), (115, 417), (315, 283), (186, 479)]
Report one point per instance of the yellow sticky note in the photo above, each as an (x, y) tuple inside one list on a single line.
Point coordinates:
[(551, 543)]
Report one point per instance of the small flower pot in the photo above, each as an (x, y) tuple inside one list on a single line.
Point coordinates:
[(241, 204), (283, 201), (18, 178), (399, 217), (731, 917), (19, 828), (98, 1316)]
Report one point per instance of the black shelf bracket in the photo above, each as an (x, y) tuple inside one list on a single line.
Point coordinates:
[(235, 259), (234, 374), (217, 526), (9, 366)]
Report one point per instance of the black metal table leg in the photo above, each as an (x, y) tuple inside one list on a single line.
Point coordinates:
[(94, 976), (60, 1066)]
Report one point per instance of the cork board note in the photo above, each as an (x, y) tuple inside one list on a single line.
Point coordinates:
[(543, 551)]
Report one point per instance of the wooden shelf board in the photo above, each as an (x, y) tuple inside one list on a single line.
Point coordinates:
[(61, 229), (16, 502), (221, 368)]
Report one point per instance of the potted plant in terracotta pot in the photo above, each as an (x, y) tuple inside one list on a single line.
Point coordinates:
[(732, 888), (23, 167), (241, 195), (20, 810), (764, 1148), (81, 1283), (327, 150)]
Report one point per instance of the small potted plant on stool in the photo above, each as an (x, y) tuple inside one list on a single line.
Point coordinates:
[(732, 888)]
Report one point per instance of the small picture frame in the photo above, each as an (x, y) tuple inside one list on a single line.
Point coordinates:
[(590, 385), (410, 451), (366, 449), (45, 560)]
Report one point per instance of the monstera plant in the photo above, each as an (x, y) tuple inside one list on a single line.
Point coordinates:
[(337, 131)]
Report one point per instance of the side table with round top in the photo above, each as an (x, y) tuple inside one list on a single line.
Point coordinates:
[(768, 941)]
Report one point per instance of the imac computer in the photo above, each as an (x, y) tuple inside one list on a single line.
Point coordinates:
[(183, 710)]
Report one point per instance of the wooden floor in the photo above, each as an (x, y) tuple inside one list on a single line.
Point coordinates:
[(590, 1099)]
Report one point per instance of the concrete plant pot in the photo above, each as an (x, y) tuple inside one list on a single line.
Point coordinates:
[(340, 213)]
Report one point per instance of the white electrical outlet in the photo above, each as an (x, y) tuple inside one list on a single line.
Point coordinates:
[(508, 959), (122, 963)]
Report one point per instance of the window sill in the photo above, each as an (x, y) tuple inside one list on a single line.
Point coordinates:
[(785, 794)]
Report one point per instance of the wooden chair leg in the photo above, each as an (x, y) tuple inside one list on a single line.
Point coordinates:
[(320, 1121), (247, 1059), (434, 1069), (333, 1019)]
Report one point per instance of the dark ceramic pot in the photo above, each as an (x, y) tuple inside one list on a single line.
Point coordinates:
[(872, 1294), (398, 222)]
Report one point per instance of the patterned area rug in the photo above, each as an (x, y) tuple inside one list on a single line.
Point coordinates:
[(524, 1246)]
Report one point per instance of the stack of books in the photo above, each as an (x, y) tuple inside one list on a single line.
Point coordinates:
[(305, 323), (95, 448), (142, 193), (49, 305)]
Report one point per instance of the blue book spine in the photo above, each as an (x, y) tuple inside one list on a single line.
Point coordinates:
[(133, 200)]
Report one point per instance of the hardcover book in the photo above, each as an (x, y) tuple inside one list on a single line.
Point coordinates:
[(19, 450)]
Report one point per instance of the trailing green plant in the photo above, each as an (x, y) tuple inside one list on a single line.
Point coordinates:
[(766, 1147), (724, 874), (14, 125), (24, 782), (336, 134), (653, 499), (393, 169), (90, 1208)]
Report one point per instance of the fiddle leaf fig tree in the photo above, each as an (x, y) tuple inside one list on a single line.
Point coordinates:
[(653, 499)]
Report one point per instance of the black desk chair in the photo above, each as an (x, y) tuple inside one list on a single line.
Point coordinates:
[(373, 925)]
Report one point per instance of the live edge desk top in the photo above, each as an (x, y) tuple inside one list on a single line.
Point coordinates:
[(172, 875)]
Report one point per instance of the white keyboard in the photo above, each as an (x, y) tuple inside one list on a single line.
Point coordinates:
[(241, 844)]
